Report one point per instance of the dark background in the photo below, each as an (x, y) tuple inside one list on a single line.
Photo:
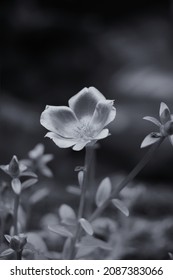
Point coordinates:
[(49, 51)]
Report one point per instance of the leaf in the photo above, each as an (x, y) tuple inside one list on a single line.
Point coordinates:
[(67, 213), (73, 190), (16, 186), (28, 183), (103, 192), (45, 170), (84, 251), (120, 205), (164, 113), (66, 249), (170, 255), (60, 230), (150, 139), (37, 241), (86, 226), (37, 151), (38, 195), (7, 237), (80, 177), (28, 174), (153, 120), (79, 168), (6, 253), (90, 241)]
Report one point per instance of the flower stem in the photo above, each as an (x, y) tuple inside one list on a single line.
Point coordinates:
[(19, 255), (15, 213), (141, 164), (88, 160)]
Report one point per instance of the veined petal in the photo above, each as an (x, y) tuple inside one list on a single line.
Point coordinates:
[(150, 139), (171, 139), (153, 120), (60, 120), (80, 145), (85, 101), (103, 134), (60, 141), (104, 114), (164, 113)]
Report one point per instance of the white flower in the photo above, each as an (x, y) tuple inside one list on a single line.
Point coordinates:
[(82, 122)]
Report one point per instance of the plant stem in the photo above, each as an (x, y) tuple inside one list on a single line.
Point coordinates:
[(88, 160), (141, 164), (15, 217), (19, 255)]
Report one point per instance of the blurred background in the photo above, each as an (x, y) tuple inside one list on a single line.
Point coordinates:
[(50, 50)]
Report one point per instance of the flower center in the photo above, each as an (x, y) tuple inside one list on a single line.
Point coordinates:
[(83, 131)]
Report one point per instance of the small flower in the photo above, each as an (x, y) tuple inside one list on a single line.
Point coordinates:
[(165, 125), (82, 122), (38, 160), (15, 170)]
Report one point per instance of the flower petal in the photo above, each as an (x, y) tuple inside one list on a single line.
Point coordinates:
[(153, 120), (60, 120), (104, 114), (164, 113), (171, 139), (103, 134), (60, 141), (85, 101), (80, 145), (149, 140)]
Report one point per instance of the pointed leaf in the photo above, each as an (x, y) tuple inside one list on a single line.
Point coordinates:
[(16, 186), (73, 190), (6, 253), (79, 168), (66, 249), (66, 213), (103, 192), (39, 195), (86, 226), (171, 139), (29, 174), (120, 205), (7, 237), (164, 113), (90, 241), (153, 120), (28, 183), (60, 230), (150, 139), (45, 170), (46, 158), (80, 177)]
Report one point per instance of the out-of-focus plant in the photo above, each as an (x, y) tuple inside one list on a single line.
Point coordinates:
[(16, 170), (37, 160)]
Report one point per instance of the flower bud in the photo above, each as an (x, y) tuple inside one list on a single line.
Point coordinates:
[(14, 167), (18, 242)]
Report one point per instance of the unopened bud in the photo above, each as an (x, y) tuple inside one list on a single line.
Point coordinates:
[(18, 242), (14, 167)]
